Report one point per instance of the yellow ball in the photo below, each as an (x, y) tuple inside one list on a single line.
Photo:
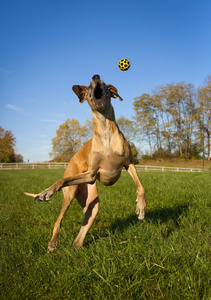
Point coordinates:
[(124, 64)]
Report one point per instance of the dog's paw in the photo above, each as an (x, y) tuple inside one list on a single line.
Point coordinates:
[(45, 195), (140, 210), (51, 248)]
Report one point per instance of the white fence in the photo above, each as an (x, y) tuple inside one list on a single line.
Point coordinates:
[(63, 165), (168, 169), (23, 166)]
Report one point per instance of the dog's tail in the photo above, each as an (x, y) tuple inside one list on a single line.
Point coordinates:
[(30, 194)]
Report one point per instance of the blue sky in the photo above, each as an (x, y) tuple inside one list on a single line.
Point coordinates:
[(48, 46)]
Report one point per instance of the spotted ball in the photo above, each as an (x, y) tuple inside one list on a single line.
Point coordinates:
[(124, 64)]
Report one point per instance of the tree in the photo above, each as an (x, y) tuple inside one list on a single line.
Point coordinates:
[(7, 144), (178, 102), (70, 137), (18, 158), (167, 118), (134, 153), (89, 125), (204, 113), (127, 127), (163, 124), (145, 118)]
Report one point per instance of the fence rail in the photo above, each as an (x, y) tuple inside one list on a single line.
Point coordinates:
[(63, 165), (167, 169), (25, 166)]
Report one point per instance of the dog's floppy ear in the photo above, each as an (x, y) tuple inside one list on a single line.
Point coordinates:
[(81, 91), (113, 91)]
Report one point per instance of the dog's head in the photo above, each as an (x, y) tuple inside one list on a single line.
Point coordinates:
[(98, 94)]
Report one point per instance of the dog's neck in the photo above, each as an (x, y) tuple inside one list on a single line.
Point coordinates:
[(104, 125)]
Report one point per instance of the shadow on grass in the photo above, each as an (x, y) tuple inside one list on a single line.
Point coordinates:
[(166, 218), (159, 215)]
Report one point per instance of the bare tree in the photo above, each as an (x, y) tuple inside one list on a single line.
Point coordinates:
[(204, 110), (145, 119), (179, 106)]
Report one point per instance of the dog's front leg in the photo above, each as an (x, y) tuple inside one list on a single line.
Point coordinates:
[(86, 177), (140, 201)]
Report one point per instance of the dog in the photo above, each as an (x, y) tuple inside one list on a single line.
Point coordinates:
[(102, 158)]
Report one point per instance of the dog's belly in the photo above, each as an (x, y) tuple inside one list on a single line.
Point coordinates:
[(108, 176)]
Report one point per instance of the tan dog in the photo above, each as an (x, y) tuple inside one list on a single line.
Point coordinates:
[(102, 158)]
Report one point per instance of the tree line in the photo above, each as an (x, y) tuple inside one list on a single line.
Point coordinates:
[(174, 119)]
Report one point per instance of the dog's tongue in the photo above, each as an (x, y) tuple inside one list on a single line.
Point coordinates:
[(99, 102)]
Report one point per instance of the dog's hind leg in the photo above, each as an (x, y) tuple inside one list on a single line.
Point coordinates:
[(69, 195), (88, 198)]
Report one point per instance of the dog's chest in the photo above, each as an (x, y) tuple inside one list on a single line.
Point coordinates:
[(110, 146), (110, 167)]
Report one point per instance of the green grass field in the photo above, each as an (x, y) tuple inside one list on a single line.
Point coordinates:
[(166, 257)]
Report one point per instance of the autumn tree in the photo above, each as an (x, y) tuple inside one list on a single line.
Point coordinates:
[(18, 158), (7, 147), (7, 143), (70, 137)]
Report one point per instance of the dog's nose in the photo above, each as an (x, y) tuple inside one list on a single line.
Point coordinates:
[(96, 77)]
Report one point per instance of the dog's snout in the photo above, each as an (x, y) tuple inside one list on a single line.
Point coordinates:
[(96, 77)]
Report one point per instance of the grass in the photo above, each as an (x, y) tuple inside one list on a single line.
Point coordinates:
[(166, 257)]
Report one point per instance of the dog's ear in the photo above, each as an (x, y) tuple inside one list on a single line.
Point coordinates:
[(81, 91), (113, 91)]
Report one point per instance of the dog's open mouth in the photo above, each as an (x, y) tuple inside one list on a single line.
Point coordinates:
[(99, 97)]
